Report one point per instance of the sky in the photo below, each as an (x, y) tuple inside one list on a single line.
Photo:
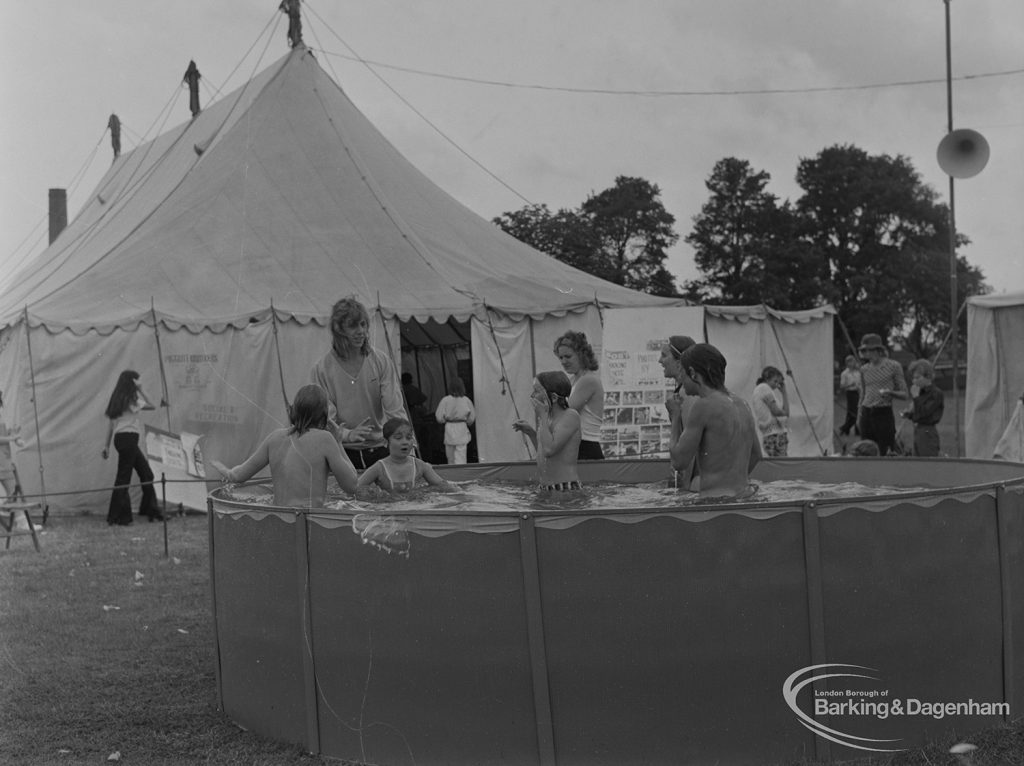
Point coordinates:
[(503, 104)]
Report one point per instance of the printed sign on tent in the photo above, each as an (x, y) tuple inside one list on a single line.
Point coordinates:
[(180, 459), (636, 422)]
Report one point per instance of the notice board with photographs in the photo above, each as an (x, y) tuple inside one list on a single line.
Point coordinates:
[(179, 458), (636, 422)]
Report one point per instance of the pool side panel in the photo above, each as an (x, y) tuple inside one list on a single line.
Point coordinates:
[(913, 593), (259, 618), (668, 641), (1011, 554), (422, 659)]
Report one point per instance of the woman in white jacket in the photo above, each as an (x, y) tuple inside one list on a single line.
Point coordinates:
[(457, 413)]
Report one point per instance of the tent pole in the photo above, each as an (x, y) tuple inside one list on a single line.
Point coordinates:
[(163, 375), (280, 367), (35, 413), (846, 333)]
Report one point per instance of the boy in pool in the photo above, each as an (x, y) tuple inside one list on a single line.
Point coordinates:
[(557, 434), (719, 431), (299, 457), (399, 471)]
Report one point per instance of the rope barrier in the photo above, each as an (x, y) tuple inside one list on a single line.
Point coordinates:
[(122, 486)]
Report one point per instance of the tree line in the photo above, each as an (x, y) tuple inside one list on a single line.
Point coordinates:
[(866, 235)]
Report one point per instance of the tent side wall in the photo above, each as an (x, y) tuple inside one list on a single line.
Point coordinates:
[(995, 369), (507, 353), (229, 387), (790, 341)]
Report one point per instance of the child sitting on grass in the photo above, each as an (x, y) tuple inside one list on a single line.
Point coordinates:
[(299, 457), (927, 409), (400, 470)]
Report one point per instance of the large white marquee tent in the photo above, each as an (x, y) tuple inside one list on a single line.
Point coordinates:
[(208, 260)]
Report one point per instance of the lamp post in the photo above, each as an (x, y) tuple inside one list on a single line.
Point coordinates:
[(962, 154), (954, 304)]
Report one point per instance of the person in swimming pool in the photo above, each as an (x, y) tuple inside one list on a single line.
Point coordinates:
[(299, 457), (556, 435), (719, 432), (400, 470)]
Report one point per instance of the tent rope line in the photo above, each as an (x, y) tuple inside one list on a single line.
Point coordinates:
[(796, 386), (405, 101), (504, 376), (367, 179), (164, 393), (277, 351), (75, 180), (85, 236)]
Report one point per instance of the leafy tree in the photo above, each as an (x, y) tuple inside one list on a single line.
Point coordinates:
[(635, 231), (748, 246), (566, 235), (621, 234), (880, 235)]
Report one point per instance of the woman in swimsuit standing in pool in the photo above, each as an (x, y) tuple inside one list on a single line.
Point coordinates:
[(556, 436)]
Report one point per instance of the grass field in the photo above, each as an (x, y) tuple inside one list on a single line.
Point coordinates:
[(107, 648)]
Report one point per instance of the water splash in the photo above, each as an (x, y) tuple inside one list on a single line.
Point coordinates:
[(385, 533)]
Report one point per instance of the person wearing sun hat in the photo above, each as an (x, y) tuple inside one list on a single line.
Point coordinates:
[(882, 380)]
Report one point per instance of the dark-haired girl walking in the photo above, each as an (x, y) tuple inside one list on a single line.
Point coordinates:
[(126, 402)]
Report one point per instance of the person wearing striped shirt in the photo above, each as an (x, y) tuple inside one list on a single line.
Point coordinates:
[(882, 381)]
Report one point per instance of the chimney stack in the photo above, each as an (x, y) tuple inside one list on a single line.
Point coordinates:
[(58, 212)]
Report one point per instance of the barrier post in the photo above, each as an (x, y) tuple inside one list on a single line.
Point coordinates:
[(1004, 541), (535, 637), (163, 512), (815, 609), (213, 604), (308, 662)]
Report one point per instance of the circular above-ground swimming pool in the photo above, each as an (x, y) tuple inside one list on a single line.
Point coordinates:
[(683, 635)]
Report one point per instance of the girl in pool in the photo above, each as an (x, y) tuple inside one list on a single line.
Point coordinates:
[(300, 456), (556, 436), (400, 470)]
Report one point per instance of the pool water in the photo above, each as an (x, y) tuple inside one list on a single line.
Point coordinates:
[(498, 496)]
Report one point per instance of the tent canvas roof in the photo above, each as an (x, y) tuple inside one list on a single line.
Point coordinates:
[(283, 193)]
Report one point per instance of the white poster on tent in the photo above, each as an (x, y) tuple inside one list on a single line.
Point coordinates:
[(179, 459), (635, 387)]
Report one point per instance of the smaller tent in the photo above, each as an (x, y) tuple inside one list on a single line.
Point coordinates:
[(995, 369)]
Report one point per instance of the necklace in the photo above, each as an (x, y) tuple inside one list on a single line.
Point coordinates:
[(352, 378)]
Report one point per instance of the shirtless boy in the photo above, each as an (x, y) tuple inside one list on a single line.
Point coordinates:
[(719, 431), (299, 457)]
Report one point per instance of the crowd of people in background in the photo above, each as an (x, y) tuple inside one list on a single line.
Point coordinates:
[(363, 423), (872, 388)]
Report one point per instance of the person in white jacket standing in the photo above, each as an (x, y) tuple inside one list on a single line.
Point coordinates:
[(457, 413)]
